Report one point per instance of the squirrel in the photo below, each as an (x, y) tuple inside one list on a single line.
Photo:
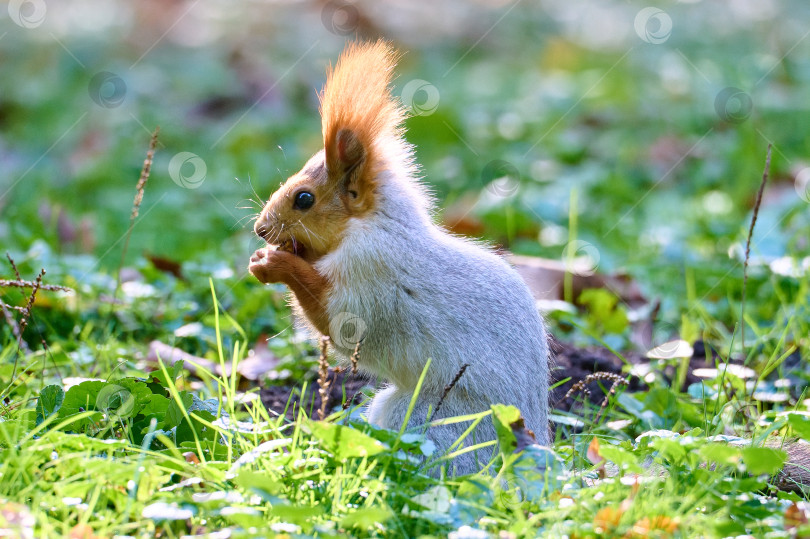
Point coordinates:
[(353, 236)]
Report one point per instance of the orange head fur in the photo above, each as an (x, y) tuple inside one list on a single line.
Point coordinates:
[(309, 213)]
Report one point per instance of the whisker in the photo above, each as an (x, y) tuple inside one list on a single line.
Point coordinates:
[(308, 231), (258, 198), (247, 208), (250, 217)]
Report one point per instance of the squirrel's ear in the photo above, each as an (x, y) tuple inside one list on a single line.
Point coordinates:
[(346, 165), (349, 149)]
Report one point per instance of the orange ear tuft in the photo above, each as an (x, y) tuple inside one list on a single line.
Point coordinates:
[(357, 107)]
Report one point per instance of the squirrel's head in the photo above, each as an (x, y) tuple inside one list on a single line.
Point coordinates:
[(310, 211)]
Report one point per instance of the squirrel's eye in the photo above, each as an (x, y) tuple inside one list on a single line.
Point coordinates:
[(304, 200)]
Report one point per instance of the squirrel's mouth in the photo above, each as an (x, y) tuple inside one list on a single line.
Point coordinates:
[(291, 245)]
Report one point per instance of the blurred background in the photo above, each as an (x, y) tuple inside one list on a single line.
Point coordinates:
[(630, 135)]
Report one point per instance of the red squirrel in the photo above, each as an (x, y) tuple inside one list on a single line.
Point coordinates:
[(352, 235)]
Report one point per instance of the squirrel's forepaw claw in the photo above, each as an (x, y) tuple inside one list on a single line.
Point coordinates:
[(269, 266), (258, 256)]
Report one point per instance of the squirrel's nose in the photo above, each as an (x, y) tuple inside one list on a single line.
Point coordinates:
[(260, 228)]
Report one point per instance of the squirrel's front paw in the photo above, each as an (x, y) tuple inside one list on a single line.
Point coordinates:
[(271, 266)]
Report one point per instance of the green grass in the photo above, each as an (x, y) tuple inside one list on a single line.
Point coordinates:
[(147, 456), (615, 148)]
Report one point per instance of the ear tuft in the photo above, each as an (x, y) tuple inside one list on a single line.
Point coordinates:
[(357, 108), (349, 149)]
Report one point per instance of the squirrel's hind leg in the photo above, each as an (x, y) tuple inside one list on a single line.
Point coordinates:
[(389, 408)]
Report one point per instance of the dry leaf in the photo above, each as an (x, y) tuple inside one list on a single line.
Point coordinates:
[(82, 531), (795, 517), (607, 518), (593, 452), (646, 526), (524, 437), (259, 362), (167, 265)]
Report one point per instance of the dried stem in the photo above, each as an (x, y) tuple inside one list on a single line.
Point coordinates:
[(582, 385), (323, 378), (24, 319), (355, 357), (13, 266), (136, 205), (757, 204), (611, 393), (449, 387), (20, 283)]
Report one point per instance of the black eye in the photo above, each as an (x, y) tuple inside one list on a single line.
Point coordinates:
[(304, 200)]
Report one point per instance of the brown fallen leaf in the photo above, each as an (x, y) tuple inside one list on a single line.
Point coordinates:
[(524, 437), (191, 457), (795, 517), (166, 265), (607, 518), (645, 527), (545, 278), (170, 354), (593, 452), (82, 531), (259, 362)]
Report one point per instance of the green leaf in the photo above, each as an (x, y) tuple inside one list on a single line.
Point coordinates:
[(122, 398), (604, 311), (174, 371), (297, 514), (186, 430), (670, 449), (763, 460), (50, 400), (174, 413), (622, 458), (503, 417), (366, 517), (79, 399), (252, 481), (723, 454), (345, 442), (631, 403), (156, 407), (801, 425)]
